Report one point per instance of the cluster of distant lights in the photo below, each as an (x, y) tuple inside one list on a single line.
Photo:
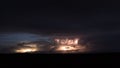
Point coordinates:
[(62, 45), (67, 44), (67, 41)]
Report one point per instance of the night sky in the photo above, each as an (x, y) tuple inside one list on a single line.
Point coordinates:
[(98, 21)]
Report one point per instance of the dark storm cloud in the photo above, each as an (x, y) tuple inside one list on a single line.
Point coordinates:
[(84, 20), (58, 17)]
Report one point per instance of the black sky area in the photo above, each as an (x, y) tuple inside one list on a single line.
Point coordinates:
[(86, 17), (58, 16)]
